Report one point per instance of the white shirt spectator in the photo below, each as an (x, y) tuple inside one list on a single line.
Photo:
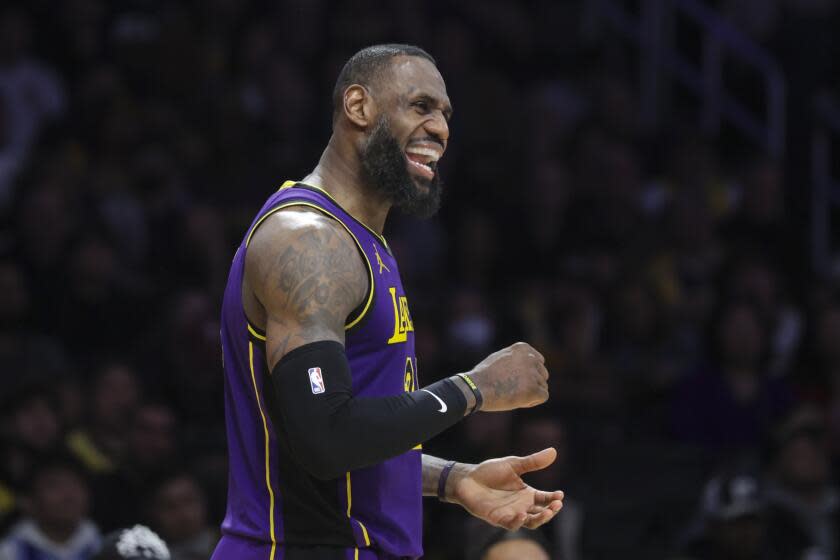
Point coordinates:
[(26, 541)]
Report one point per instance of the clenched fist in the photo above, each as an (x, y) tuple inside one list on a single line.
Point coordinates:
[(514, 377)]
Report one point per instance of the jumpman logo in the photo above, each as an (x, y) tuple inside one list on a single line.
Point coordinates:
[(379, 261)]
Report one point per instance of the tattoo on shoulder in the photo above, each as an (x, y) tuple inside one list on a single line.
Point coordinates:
[(312, 283)]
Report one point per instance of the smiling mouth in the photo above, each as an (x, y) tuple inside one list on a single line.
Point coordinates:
[(422, 160), (426, 170)]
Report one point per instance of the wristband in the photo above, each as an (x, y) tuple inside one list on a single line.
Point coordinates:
[(479, 399), (444, 474)]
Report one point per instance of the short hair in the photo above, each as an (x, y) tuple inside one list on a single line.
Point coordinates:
[(58, 461), (160, 478), (366, 67)]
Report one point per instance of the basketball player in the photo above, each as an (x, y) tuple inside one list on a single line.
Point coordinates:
[(325, 417)]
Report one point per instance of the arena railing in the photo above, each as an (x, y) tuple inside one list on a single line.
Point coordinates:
[(649, 29)]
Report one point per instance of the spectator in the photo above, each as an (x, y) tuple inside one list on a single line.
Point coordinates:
[(753, 278), (152, 437), (114, 394), (804, 501), (150, 447), (730, 403), (731, 524), (31, 429), (190, 348), (178, 512), (31, 432), (582, 378), (642, 350), (42, 251), (490, 543), (513, 548), (55, 524), (98, 300)]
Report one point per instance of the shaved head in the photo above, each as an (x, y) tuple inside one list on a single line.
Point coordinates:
[(368, 66)]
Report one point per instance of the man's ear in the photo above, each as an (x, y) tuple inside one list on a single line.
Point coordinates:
[(359, 107)]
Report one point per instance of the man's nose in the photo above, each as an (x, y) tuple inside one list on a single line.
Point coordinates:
[(438, 128)]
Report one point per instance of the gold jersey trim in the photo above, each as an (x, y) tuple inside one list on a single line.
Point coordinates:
[(253, 330), (267, 452), (349, 506), (379, 236)]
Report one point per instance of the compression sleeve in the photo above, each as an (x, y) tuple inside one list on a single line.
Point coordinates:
[(331, 432)]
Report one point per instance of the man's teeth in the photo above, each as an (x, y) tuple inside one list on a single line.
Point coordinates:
[(423, 165), (434, 155)]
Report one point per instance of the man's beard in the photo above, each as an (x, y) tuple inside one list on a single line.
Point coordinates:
[(384, 168)]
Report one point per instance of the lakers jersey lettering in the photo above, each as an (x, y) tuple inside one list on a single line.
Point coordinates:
[(402, 319)]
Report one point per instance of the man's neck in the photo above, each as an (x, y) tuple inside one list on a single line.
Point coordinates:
[(339, 173)]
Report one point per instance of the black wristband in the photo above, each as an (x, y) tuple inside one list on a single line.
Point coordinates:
[(479, 399), (444, 475)]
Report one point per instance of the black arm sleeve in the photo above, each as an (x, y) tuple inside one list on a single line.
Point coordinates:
[(331, 432)]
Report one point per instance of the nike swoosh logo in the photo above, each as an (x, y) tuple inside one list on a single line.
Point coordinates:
[(442, 404)]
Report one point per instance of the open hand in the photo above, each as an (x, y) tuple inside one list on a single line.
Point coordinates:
[(495, 492)]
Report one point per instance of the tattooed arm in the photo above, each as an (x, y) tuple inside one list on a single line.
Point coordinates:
[(303, 276)]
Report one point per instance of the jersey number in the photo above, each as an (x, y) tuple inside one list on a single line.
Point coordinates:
[(410, 378)]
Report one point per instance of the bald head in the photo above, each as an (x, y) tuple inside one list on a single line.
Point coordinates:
[(368, 66)]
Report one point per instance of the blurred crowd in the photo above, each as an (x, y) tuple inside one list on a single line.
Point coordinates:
[(694, 358)]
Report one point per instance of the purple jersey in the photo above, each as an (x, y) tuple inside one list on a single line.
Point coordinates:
[(271, 499)]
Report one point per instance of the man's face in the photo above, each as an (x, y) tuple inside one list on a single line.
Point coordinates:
[(59, 498), (179, 510), (151, 439), (400, 157), (803, 461)]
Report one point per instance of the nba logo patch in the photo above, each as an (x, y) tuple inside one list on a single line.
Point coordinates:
[(316, 381)]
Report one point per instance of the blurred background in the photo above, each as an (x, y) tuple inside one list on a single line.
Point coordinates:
[(644, 190)]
